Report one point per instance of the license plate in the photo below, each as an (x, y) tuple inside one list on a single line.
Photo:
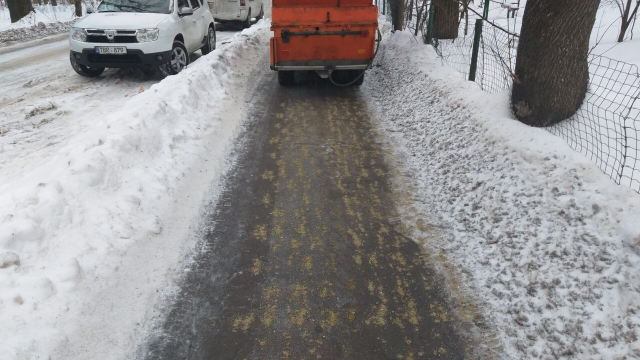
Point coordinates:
[(111, 50)]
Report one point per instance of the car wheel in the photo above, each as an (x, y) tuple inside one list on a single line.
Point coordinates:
[(84, 70), (261, 15), (286, 78), (210, 44), (247, 24), (178, 60)]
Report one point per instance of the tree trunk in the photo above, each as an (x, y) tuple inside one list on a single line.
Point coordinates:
[(19, 9), (465, 13), (54, 2), (445, 24), (552, 70), (420, 20), (78, 4), (397, 13), (409, 15)]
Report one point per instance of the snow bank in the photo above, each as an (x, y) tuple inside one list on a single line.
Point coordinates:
[(539, 235), (42, 13), (22, 34), (86, 238), (45, 20)]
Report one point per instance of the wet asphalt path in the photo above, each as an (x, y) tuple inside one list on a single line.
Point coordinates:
[(306, 258)]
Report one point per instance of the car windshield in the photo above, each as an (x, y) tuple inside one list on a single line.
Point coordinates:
[(144, 6)]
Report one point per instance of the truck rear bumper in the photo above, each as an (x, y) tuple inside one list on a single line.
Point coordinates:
[(322, 65)]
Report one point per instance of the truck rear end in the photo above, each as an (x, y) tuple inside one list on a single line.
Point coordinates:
[(328, 36)]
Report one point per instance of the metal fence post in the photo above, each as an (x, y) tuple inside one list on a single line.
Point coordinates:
[(485, 14), (476, 49), (432, 11), (384, 7)]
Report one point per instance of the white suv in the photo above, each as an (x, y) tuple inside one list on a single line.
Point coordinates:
[(145, 34)]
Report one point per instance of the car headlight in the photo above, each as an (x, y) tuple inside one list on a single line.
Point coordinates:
[(78, 34), (145, 35)]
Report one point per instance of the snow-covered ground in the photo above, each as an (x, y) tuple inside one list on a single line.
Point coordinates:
[(606, 129), (45, 20), (101, 180), (544, 242), (603, 37), (42, 13), (44, 102)]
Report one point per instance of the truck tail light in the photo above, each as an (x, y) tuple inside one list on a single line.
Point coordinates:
[(243, 3)]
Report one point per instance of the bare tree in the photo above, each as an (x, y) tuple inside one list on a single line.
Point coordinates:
[(628, 12), (408, 15), (465, 14), (552, 70), (78, 6), (19, 9), (420, 20), (446, 19)]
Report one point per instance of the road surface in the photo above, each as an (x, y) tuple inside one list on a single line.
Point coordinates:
[(306, 257)]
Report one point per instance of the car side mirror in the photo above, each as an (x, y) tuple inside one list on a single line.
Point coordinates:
[(89, 9), (186, 11)]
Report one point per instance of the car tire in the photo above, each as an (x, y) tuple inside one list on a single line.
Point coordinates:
[(210, 41), (82, 69), (286, 78), (178, 60), (261, 15), (247, 23)]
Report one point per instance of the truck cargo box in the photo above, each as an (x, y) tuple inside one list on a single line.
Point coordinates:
[(323, 34)]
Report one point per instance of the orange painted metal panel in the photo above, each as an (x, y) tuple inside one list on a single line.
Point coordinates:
[(326, 16), (322, 34), (311, 3), (272, 51)]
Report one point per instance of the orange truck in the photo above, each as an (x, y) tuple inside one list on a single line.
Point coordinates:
[(335, 38)]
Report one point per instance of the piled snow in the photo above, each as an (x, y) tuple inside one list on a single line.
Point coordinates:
[(605, 129), (87, 237), (544, 240), (45, 14), (11, 36), (44, 21)]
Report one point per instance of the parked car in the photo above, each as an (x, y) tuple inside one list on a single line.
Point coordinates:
[(146, 34), (236, 11)]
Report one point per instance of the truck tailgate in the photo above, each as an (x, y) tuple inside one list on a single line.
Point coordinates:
[(323, 35)]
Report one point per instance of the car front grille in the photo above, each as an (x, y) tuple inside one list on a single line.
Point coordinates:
[(119, 36), (116, 39), (114, 59)]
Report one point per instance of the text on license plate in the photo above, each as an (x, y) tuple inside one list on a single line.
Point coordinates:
[(112, 50)]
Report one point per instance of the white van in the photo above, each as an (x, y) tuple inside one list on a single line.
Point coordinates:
[(236, 10)]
